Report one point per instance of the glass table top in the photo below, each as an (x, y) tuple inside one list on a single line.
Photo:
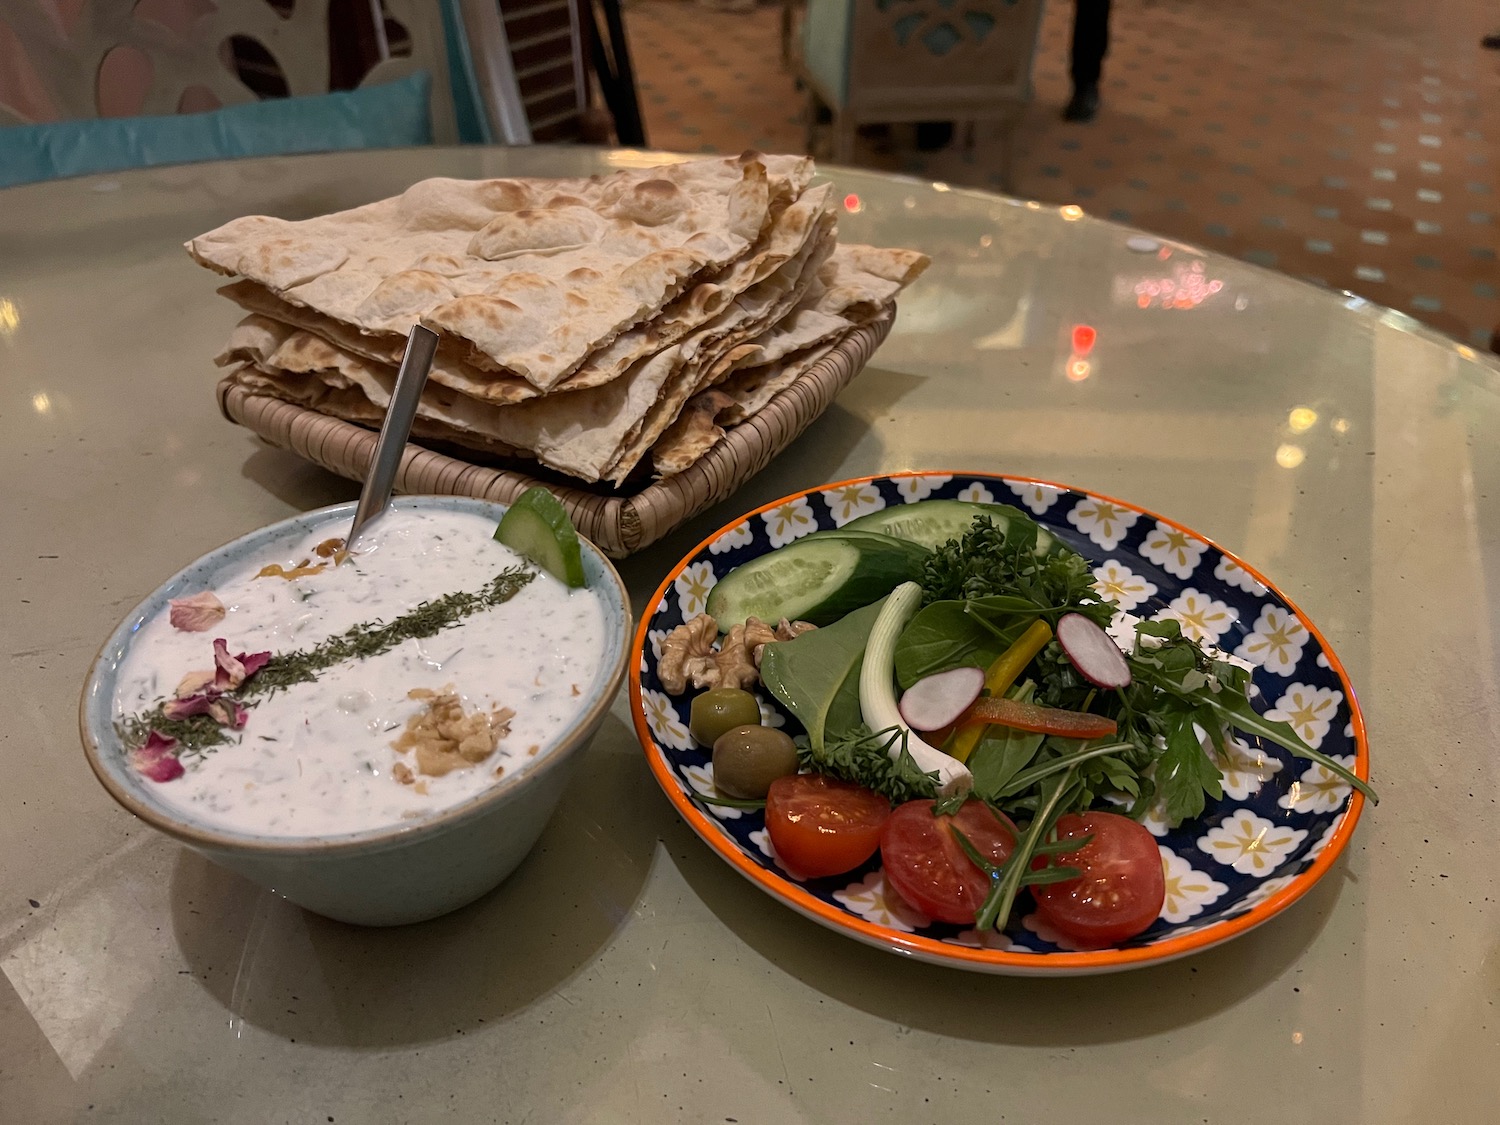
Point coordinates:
[(624, 973)]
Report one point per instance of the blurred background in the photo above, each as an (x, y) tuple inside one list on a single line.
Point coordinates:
[(1350, 143)]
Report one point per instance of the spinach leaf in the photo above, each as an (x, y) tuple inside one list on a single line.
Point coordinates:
[(960, 634), (1001, 754), (810, 673), (942, 636), (844, 714)]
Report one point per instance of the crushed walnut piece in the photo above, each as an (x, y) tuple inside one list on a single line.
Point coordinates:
[(445, 737), (687, 653)]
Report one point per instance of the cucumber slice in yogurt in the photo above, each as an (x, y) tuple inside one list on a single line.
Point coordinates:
[(931, 523), (818, 579), (537, 527)]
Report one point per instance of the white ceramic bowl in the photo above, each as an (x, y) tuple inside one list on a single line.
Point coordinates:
[(386, 876)]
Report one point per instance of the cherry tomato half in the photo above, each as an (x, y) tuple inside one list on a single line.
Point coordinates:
[(929, 868), (1121, 889), (822, 826)]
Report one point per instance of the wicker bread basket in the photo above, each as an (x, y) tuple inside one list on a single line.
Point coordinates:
[(618, 523)]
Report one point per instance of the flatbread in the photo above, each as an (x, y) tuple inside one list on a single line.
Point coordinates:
[(529, 278), (708, 414), (383, 349), (794, 223), (853, 281), (584, 433), (752, 313)]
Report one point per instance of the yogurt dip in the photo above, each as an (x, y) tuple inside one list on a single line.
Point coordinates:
[(373, 740)]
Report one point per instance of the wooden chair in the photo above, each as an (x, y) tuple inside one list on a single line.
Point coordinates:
[(887, 61)]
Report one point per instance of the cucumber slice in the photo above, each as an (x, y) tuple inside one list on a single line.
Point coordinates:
[(916, 551), (932, 523), (818, 579), (537, 527)]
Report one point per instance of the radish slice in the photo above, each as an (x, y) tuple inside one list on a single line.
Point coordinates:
[(1093, 652), (938, 700)]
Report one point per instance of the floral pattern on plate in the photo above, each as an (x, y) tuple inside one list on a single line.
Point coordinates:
[(1276, 817), (1120, 587), (1276, 642), (1036, 496), (693, 586), (852, 501), (874, 902), (1203, 619), (1173, 550), (1251, 844), (1189, 891), (739, 536), (1309, 710), (790, 521), (920, 486), (1103, 521)]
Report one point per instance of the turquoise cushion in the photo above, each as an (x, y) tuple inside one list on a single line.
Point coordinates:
[(390, 115)]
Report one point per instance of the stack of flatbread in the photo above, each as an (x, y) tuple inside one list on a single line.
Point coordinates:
[(606, 328)]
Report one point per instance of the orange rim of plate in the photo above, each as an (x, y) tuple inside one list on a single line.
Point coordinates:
[(931, 948)]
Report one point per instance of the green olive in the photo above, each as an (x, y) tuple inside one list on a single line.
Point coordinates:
[(747, 759), (721, 709)]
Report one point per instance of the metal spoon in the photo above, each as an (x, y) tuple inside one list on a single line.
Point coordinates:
[(421, 345)]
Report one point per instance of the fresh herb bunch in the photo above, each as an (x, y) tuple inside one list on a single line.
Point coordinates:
[(864, 756), (994, 559), (1175, 685), (1003, 585), (198, 734)]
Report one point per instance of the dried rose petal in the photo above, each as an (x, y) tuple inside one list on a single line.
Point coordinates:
[(231, 671), (196, 614), (194, 683), (190, 705), (155, 759), (227, 713), (235, 670)]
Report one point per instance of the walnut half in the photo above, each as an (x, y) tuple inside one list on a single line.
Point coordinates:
[(733, 663), (687, 653)]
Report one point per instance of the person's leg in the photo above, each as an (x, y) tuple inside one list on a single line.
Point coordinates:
[(1090, 42)]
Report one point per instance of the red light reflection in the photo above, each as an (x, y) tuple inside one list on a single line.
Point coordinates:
[(1084, 336)]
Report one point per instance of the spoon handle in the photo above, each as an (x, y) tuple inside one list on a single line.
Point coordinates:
[(421, 345)]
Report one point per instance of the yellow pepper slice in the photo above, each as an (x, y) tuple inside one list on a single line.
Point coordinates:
[(998, 680)]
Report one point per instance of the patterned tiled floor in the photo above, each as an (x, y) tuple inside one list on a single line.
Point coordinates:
[(1351, 142)]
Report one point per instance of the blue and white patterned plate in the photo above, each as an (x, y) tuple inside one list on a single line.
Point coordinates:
[(1278, 828)]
